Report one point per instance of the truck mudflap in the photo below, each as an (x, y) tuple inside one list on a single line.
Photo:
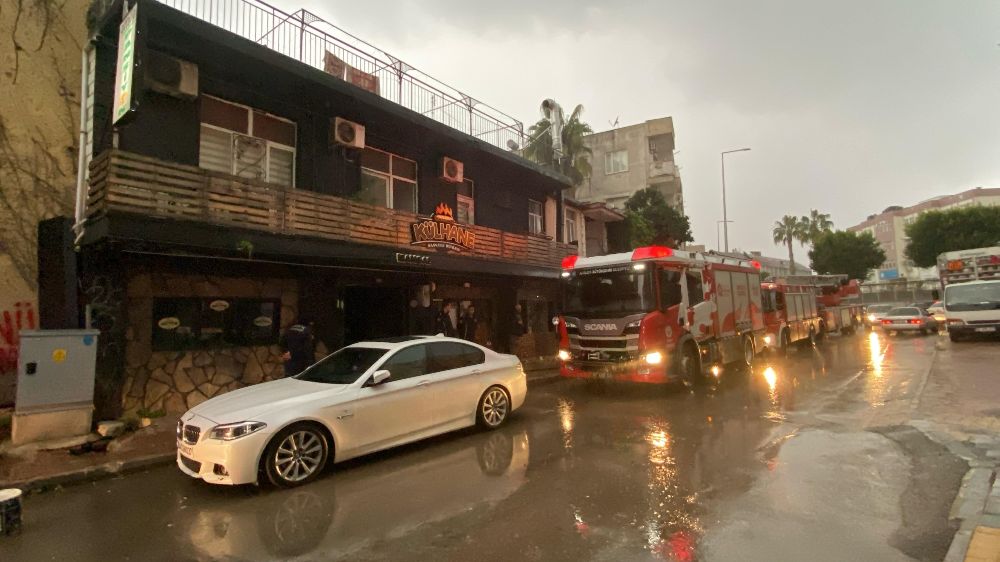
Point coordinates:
[(626, 372)]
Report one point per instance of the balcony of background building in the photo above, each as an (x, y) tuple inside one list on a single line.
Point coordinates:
[(128, 183), (307, 38)]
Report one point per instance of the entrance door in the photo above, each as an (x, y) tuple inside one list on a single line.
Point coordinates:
[(373, 312)]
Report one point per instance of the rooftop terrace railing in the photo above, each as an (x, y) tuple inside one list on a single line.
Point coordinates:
[(307, 38)]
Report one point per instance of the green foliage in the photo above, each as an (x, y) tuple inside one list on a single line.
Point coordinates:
[(815, 224), (650, 220), (789, 230), (246, 247), (131, 423), (576, 156), (846, 252), (935, 232), (144, 413)]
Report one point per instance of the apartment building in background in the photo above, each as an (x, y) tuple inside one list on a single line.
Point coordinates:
[(631, 158), (889, 229)]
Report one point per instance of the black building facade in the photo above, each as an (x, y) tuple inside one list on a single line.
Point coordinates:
[(237, 196)]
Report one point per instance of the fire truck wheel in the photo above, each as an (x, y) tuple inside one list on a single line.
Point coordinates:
[(691, 365), (748, 352)]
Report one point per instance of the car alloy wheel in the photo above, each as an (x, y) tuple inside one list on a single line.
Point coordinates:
[(493, 407), (296, 456)]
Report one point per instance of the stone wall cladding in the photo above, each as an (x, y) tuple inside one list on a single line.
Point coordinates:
[(174, 381)]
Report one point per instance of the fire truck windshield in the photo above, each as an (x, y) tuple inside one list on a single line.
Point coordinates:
[(609, 291)]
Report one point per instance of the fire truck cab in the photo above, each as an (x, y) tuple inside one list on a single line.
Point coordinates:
[(790, 315), (658, 315)]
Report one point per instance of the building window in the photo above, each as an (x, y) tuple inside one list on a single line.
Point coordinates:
[(388, 180), (245, 142), (466, 211), (615, 162), (570, 226), (536, 214), (195, 323)]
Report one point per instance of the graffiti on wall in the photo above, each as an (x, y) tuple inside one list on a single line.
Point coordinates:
[(12, 321)]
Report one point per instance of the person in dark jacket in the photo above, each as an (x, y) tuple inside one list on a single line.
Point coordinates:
[(446, 323), (468, 324), (298, 347)]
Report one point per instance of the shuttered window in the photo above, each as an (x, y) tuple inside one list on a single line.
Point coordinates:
[(264, 154)]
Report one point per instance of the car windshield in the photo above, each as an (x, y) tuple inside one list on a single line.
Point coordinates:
[(344, 366), (972, 297), (907, 311), (879, 308), (613, 290)]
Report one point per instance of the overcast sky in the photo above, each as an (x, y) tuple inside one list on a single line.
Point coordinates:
[(848, 106)]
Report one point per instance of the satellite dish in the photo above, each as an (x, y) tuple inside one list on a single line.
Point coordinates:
[(512, 145)]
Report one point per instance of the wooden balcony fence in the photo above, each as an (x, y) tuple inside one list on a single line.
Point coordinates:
[(123, 182)]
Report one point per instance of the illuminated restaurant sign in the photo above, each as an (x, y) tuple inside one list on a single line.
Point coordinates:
[(441, 231)]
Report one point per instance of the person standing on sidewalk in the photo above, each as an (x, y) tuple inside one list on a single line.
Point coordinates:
[(298, 347), (446, 321), (468, 324)]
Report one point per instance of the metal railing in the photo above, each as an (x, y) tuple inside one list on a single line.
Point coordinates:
[(307, 38)]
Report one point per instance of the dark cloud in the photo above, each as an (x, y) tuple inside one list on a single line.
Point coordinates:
[(849, 106)]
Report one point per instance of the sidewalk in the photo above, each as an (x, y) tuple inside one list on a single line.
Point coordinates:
[(32, 468)]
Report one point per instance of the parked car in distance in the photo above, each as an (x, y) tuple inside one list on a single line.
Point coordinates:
[(908, 319), (937, 311), (363, 398), (923, 305), (875, 312)]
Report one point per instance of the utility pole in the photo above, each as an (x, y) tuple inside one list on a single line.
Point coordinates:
[(725, 215)]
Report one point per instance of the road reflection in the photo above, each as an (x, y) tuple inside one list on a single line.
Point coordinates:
[(342, 514)]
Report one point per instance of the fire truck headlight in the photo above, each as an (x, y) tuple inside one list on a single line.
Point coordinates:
[(768, 339), (654, 358), (716, 370), (563, 355)]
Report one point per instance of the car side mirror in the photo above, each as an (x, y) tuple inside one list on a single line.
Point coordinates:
[(379, 377)]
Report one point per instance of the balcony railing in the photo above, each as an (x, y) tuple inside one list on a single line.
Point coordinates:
[(307, 38), (123, 182)]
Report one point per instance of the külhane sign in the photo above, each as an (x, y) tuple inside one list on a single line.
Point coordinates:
[(441, 231)]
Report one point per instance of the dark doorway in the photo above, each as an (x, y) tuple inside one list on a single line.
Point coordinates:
[(374, 312)]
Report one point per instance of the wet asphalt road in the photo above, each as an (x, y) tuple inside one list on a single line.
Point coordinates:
[(781, 463)]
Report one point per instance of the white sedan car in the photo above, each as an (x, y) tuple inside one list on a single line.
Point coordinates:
[(362, 398)]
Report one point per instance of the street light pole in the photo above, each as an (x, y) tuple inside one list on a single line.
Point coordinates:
[(718, 240), (725, 216)]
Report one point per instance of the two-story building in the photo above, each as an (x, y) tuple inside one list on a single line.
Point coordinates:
[(243, 168)]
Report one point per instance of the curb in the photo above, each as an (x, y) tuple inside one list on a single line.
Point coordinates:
[(93, 473), (543, 376)]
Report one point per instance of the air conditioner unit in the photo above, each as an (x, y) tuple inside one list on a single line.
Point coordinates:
[(347, 133), (452, 170), (173, 77)]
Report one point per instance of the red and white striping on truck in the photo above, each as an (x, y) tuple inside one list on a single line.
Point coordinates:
[(658, 315)]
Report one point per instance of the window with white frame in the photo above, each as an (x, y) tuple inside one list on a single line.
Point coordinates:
[(536, 214), (569, 228), (615, 162), (388, 180), (466, 211), (245, 142)]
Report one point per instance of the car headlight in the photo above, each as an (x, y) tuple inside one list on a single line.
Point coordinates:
[(230, 431), (564, 355), (180, 429), (871, 317)]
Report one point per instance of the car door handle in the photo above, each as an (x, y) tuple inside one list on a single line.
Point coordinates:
[(477, 372), (423, 383)]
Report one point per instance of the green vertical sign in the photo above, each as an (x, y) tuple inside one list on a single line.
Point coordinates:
[(126, 62)]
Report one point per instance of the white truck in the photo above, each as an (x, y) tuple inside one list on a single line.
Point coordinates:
[(971, 283)]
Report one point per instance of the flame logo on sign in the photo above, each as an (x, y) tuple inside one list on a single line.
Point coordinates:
[(443, 213)]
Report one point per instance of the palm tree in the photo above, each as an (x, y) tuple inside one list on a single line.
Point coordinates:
[(575, 162), (787, 231), (815, 224)]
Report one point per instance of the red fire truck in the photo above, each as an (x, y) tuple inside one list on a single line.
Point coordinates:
[(791, 315), (658, 315), (838, 300)]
